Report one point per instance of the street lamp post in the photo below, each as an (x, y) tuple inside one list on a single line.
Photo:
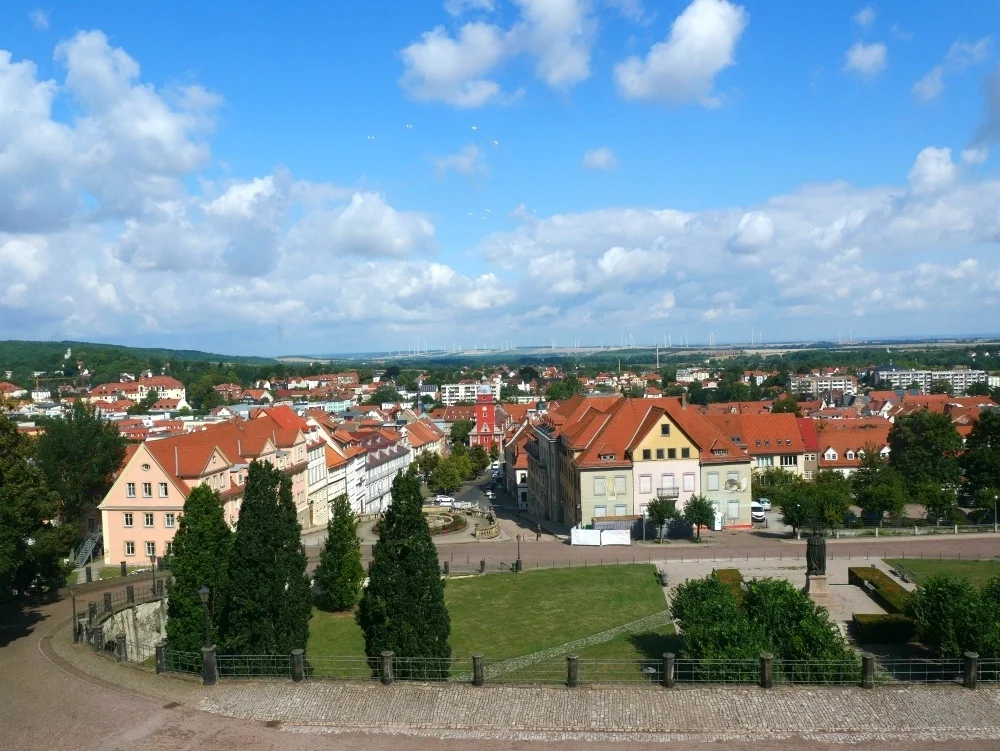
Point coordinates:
[(519, 553), (152, 565), (995, 513), (203, 594)]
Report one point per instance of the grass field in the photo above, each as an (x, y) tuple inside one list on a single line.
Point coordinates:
[(508, 615), (978, 572), (114, 572)]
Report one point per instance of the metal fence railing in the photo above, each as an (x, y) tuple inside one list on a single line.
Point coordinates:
[(818, 672), (717, 671), (648, 672), (189, 663), (428, 668), (551, 670), (989, 670), (943, 670), (341, 668), (254, 666)]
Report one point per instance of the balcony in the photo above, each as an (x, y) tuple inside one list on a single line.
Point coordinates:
[(671, 494)]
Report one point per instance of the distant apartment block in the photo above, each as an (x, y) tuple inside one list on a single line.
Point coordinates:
[(959, 379), (466, 391), (817, 384)]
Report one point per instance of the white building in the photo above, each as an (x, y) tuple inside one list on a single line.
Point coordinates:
[(959, 380), (817, 384), (453, 393)]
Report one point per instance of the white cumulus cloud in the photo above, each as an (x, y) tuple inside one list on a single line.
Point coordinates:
[(866, 60), (601, 158), (469, 160), (933, 170), (682, 69), (961, 55), (865, 17)]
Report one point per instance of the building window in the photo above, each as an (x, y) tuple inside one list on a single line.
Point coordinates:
[(645, 483), (620, 485), (671, 453), (129, 548), (163, 490), (647, 454), (789, 460), (168, 519), (808, 474), (685, 453), (765, 461), (659, 453), (147, 490), (600, 487), (148, 519), (713, 481), (150, 549), (130, 489), (689, 481), (665, 429), (127, 518), (733, 509), (600, 511), (170, 548), (850, 454), (621, 509)]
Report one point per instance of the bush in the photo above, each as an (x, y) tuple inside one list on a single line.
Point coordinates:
[(954, 616), (887, 593), (733, 579), (888, 628)]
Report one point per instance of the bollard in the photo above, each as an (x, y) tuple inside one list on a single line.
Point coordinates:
[(970, 669), (867, 670), (668, 670), (298, 665), (876, 531), (956, 529), (76, 633), (89, 573), (386, 668), (130, 594), (914, 530), (767, 670), (482, 566), (478, 674), (572, 671), (210, 672), (836, 534), (120, 648), (124, 569), (161, 657), (447, 568), (107, 602)]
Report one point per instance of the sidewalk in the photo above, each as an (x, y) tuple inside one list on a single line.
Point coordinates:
[(643, 713)]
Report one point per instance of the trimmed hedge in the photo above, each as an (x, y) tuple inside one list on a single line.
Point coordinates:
[(733, 579), (887, 593), (888, 628)]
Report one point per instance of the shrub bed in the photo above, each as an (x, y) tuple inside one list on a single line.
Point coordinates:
[(888, 628), (886, 592), (733, 579)]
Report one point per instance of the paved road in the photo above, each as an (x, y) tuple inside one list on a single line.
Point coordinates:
[(48, 703)]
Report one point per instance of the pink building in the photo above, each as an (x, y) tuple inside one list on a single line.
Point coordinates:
[(140, 512)]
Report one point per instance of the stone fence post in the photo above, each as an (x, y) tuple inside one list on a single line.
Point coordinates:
[(478, 674), (668, 670), (447, 568), (76, 630), (298, 665), (970, 669), (92, 611), (130, 594), (161, 657), (210, 671), (120, 647), (573, 671), (98, 638), (386, 665), (107, 602), (767, 670), (867, 670), (89, 574), (482, 566), (124, 569)]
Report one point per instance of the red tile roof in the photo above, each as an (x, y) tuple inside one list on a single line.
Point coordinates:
[(761, 434)]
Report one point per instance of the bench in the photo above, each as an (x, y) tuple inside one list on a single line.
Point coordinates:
[(662, 577), (869, 586), (900, 574)]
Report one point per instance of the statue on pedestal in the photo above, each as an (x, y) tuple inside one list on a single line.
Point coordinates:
[(816, 555)]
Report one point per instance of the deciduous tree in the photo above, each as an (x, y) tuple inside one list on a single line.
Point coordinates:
[(700, 513), (660, 511), (924, 447)]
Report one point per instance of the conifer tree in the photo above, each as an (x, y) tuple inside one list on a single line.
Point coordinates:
[(403, 609), (268, 599), (201, 550), (340, 573)]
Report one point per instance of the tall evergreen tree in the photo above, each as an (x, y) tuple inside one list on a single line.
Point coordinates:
[(268, 599), (403, 609), (201, 552), (340, 573)]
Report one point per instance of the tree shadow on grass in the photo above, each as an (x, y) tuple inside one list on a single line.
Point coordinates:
[(652, 645)]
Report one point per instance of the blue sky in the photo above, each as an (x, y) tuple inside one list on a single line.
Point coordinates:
[(362, 176)]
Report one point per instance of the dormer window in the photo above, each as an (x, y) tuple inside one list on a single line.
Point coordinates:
[(830, 454), (850, 454), (607, 457), (767, 442)]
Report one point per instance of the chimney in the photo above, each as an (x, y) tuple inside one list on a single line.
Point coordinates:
[(684, 400), (177, 463)]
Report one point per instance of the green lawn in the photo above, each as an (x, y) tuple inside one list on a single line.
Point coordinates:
[(113, 572), (508, 615), (978, 572), (645, 645)]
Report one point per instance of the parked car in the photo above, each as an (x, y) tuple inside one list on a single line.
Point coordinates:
[(490, 494), (765, 504), (443, 500), (757, 514)]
